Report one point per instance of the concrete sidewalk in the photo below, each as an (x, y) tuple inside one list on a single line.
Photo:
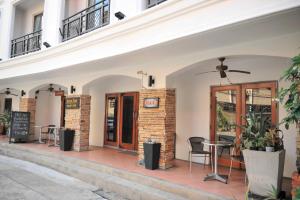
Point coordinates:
[(21, 180)]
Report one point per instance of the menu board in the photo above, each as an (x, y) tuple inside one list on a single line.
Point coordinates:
[(72, 103), (20, 126)]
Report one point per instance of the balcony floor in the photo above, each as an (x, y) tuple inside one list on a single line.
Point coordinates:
[(179, 174)]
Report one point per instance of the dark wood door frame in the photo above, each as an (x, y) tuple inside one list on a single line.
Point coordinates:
[(118, 142), (240, 108)]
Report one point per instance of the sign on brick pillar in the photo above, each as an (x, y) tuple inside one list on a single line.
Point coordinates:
[(158, 124), (29, 105), (77, 117)]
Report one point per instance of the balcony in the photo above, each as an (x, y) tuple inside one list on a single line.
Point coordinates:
[(87, 20), (152, 3), (26, 44)]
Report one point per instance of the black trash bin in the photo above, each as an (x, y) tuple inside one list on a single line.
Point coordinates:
[(66, 138), (151, 155)]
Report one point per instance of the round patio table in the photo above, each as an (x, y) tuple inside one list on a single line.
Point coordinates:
[(215, 175)]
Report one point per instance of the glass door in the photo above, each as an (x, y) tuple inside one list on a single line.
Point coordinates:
[(225, 115), (128, 121), (111, 119), (259, 98)]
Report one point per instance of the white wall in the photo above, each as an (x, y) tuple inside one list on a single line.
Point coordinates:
[(48, 110), (74, 6), (193, 99), (15, 102), (97, 89)]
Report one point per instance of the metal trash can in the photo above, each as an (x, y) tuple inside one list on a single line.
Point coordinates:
[(66, 138), (151, 155)]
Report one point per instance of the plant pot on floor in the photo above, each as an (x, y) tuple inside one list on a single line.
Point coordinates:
[(264, 170), (66, 138), (151, 155)]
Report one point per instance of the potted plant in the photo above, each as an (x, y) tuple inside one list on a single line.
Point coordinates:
[(289, 97), (5, 122), (264, 169)]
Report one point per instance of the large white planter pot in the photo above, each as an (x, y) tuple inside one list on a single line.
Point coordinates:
[(264, 170)]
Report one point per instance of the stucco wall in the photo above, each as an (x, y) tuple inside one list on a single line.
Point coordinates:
[(193, 99)]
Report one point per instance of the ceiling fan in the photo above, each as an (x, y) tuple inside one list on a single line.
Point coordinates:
[(8, 92), (50, 89), (223, 69)]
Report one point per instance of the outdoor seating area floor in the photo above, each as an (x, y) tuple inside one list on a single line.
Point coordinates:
[(179, 174)]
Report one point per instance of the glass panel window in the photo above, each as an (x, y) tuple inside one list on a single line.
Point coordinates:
[(37, 22), (111, 119), (127, 125)]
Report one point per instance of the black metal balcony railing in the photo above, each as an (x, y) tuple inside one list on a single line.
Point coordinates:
[(86, 20), (152, 3), (26, 44)]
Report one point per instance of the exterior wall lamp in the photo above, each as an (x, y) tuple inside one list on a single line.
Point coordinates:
[(23, 93), (119, 15), (46, 44), (151, 81), (72, 89)]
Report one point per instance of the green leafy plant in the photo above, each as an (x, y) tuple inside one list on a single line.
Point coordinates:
[(297, 193), (5, 120), (272, 194), (289, 97), (254, 131)]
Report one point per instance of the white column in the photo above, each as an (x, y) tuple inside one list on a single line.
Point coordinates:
[(7, 15), (52, 20)]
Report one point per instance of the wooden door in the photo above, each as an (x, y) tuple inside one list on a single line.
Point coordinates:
[(128, 120), (225, 115), (111, 122)]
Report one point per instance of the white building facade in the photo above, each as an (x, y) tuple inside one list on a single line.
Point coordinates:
[(81, 48)]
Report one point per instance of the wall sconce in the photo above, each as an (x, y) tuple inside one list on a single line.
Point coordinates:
[(0, 59), (151, 81), (72, 89), (36, 94), (46, 44), (119, 15), (23, 93)]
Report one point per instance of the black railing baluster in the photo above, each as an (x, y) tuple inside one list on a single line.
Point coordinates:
[(86, 20), (26, 44)]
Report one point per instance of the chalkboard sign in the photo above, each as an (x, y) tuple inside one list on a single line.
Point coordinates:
[(72, 103), (19, 126)]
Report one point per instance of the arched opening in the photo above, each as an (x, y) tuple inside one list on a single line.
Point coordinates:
[(9, 101), (49, 106), (113, 101), (194, 97)]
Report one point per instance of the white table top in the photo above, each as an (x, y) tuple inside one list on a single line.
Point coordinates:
[(217, 143)]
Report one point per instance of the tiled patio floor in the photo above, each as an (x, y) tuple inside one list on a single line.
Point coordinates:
[(178, 174)]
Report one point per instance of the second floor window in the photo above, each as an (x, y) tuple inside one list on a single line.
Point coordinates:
[(37, 22)]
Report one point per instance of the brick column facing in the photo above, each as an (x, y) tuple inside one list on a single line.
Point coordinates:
[(29, 105), (159, 124), (79, 120)]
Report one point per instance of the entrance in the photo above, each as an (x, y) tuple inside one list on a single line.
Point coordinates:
[(230, 103), (121, 114)]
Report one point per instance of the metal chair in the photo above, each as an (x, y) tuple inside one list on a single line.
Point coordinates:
[(196, 149)]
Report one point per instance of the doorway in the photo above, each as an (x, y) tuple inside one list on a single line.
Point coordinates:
[(229, 107), (121, 114)]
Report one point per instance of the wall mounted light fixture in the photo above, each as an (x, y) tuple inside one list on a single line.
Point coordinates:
[(72, 89), (120, 15), (46, 44), (23, 93), (151, 81)]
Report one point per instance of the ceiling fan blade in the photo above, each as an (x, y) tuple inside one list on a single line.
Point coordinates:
[(223, 74), (204, 73), (240, 71)]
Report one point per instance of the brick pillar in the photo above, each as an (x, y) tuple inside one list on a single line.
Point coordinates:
[(158, 124), (79, 120), (29, 105)]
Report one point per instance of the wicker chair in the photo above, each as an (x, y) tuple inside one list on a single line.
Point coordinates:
[(196, 149)]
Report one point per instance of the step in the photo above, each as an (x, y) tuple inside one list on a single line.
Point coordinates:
[(129, 184)]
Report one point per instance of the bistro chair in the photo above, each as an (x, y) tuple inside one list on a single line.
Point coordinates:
[(45, 131), (196, 149), (236, 156)]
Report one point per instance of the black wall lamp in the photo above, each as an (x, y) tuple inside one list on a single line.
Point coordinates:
[(72, 89), (119, 15), (23, 93), (46, 44), (151, 81), (36, 94)]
